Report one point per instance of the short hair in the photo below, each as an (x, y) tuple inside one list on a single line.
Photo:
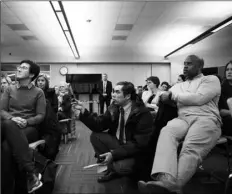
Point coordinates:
[(128, 88), (154, 79), (34, 68), (165, 83), (46, 81), (197, 59)]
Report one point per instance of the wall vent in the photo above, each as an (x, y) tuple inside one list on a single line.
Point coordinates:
[(127, 27), (17, 26), (119, 37)]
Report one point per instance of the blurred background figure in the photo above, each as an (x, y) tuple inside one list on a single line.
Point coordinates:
[(104, 89), (226, 93), (139, 91), (5, 82), (164, 86), (43, 83), (181, 78)]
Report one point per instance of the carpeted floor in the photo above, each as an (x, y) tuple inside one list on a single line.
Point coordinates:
[(72, 178)]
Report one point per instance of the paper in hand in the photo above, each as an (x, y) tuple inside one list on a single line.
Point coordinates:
[(101, 168)]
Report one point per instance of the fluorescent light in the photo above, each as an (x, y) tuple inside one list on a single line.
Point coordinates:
[(56, 5), (70, 40), (222, 26), (62, 20)]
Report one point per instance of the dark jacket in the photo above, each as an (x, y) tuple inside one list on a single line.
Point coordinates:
[(138, 128), (108, 89), (51, 96), (226, 92)]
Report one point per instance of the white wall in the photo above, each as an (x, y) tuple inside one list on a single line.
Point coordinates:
[(135, 73)]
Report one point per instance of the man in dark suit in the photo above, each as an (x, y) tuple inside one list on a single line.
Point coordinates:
[(105, 90), (129, 125)]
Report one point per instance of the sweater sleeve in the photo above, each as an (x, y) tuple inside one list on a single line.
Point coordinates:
[(208, 89)]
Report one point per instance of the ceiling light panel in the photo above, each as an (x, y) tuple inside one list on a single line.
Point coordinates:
[(56, 5), (62, 20)]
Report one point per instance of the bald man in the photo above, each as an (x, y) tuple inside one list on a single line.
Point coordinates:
[(198, 126)]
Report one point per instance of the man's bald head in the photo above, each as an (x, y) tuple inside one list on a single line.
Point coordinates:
[(193, 66)]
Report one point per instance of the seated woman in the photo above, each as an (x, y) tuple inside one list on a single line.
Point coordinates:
[(5, 82), (151, 97), (50, 94), (226, 93)]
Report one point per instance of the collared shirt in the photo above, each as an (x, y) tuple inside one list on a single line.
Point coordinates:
[(198, 97), (104, 86), (29, 86), (127, 111)]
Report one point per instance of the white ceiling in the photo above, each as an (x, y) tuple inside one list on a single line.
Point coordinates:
[(159, 27)]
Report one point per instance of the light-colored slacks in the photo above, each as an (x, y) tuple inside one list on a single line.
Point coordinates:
[(199, 135)]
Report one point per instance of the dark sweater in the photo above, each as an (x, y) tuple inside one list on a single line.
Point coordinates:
[(25, 102)]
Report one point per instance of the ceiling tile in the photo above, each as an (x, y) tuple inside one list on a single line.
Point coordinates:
[(17, 26), (123, 26), (29, 38), (119, 37)]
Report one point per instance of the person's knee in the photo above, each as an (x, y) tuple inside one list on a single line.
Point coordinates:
[(123, 167), (8, 123), (94, 138)]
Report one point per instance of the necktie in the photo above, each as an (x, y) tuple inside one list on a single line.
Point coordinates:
[(104, 87), (122, 123)]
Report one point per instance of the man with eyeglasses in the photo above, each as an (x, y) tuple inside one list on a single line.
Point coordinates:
[(198, 126), (23, 107)]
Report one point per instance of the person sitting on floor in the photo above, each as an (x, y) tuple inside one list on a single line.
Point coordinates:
[(198, 125), (23, 106), (226, 93), (129, 125)]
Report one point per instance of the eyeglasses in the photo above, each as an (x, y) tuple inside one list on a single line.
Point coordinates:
[(22, 67)]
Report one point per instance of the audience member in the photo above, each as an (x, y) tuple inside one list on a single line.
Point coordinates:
[(5, 82), (23, 108), (104, 90), (164, 86), (139, 91), (43, 83), (198, 126), (226, 93), (151, 97), (23, 104), (129, 125)]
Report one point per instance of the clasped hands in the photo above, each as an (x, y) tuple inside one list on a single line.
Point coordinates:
[(22, 123)]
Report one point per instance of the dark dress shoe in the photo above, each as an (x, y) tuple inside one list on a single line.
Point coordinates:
[(107, 177)]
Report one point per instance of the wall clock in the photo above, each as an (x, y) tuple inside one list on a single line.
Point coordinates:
[(63, 70)]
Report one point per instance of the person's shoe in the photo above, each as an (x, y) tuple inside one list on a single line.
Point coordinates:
[(142, 186), (107, 177), (33, 182)]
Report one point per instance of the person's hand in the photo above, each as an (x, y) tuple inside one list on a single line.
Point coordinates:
[(78, 105), (165, 96), (22, 123), (108, 158)]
